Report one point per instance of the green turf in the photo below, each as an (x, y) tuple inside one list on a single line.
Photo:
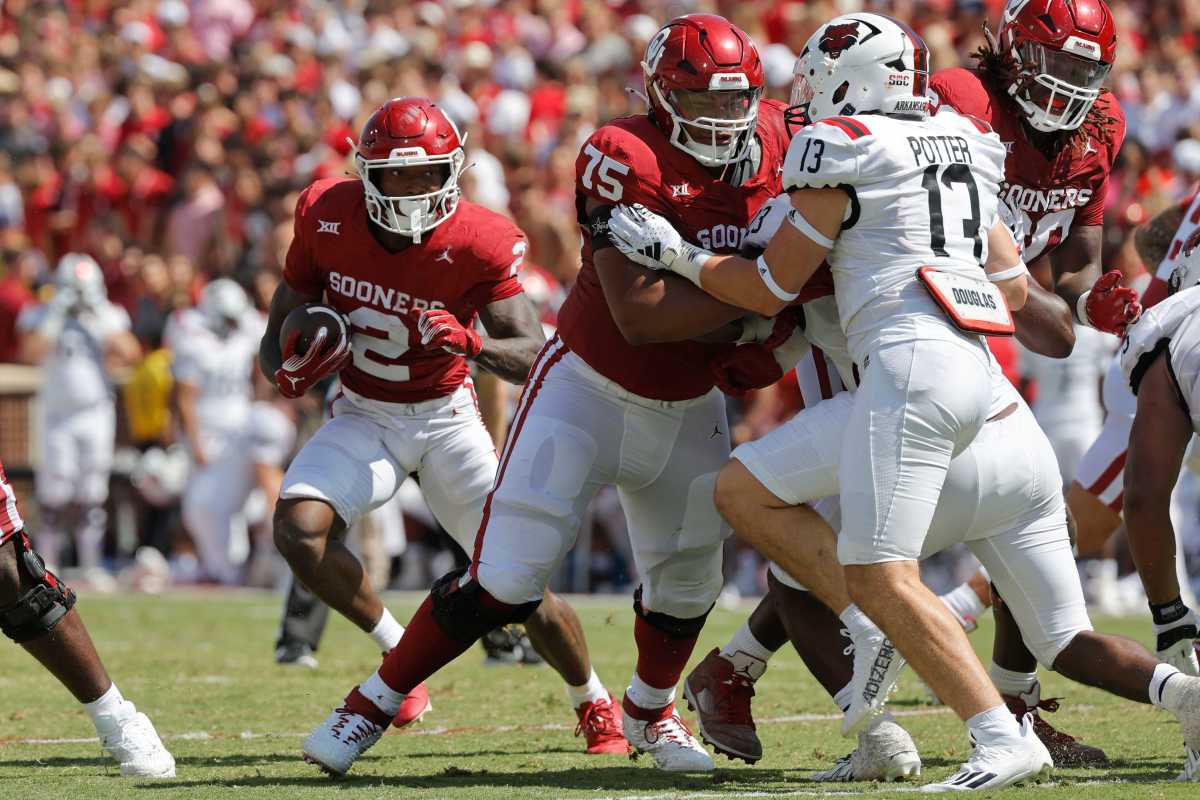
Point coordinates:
[(201, 666)]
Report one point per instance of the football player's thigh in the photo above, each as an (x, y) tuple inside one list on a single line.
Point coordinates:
[(456, 473), (346, 465), (674, 526), (96, 436), (798, 461), (1096, 494), (58, 473), (560, 452), (1034, 571), (917, 403)]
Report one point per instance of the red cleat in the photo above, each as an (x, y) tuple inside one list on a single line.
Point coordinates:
[(416, 705), (1066, 750), (600, 729)]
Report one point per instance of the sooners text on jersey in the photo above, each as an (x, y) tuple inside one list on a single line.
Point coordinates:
[(629, 160), (1041, 197), (464, 264)]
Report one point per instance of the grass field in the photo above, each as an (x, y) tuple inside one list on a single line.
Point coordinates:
[(200, 665)]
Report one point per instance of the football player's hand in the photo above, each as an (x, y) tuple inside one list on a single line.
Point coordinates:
[(299, 373), (760, 364), (439, 328), (1109, 306), (646, 238)]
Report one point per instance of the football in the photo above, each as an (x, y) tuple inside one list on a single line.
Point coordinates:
[(308, 320)]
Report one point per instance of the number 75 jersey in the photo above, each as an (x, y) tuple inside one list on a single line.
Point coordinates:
[(923, 192), (463, 265)]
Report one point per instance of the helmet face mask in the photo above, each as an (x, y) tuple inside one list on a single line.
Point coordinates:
[(703, 81), (1057, 89), (407, 133)]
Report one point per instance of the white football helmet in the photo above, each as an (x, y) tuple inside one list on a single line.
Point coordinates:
[(79, 272), (222, 304), (862, 63)]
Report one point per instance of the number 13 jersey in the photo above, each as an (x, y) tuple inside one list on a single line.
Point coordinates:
[(464, 264), (923, 192)]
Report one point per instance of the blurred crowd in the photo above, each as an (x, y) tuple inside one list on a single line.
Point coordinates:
[(169, 139)]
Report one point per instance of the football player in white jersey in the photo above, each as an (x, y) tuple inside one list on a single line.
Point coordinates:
[(930, 391), (79, 338)]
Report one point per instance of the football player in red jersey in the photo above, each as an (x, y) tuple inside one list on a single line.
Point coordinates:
[(37, 611), (409, 265), (1038, 86), (621, 395)]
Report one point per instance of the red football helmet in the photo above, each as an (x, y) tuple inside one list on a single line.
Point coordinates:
[(703, 80), (1061, 51), (408, 132)]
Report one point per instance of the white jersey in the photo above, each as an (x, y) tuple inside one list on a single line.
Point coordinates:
[(922, 193), (74, 374), (1068, 389), (221, 368), (1173, 325), (1179, 267)]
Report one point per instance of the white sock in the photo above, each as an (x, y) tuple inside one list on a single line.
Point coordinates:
[(842, 698), (109, 709), (643, 695), (1012, 683), (589, 692), (855, 620), (1164, 687), (385, 698), (387, 632), (747, 654), (964, 604), (994, 724)]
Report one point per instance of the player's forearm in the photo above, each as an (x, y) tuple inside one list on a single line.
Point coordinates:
[(735, 280), (1044, 324), (510, 358), (34, 347)]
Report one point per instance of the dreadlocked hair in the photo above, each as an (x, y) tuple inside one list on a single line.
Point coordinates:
[(998, 68)]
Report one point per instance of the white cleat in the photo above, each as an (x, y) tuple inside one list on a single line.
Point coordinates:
[(668, 741), (337, 742), (877, 667), (136, 747), (885, 753), (993, 766), (1181, 656), (1189, 720)]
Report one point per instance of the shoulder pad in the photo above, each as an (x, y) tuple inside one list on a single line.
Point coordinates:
[(824, 154)]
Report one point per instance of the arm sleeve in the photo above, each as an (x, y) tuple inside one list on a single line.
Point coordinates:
[(765, 223), (821, 155), (300, 269)]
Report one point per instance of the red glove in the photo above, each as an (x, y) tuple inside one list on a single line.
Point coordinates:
[(1110, 307), (300, 373), (439, 328), (744, 368)]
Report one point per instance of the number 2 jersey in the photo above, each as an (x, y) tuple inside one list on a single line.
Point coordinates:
[(463, 265), (923, 192), (629, 160), (1041, 198)]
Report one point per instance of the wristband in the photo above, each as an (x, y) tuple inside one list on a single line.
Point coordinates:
[(689, 262), (1081, 309), (1015, 271), (764, 272)]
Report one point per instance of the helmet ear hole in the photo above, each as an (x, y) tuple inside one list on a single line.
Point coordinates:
[(839, 94)]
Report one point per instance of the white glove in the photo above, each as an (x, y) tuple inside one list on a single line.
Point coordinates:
[(646, 238)]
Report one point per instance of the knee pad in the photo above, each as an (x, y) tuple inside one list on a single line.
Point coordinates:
[(465, 611), (673, 627), (38, 610)]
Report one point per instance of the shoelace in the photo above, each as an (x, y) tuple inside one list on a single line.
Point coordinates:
[(734, 704), (598, 718), (360, 730), (670, 730), (849, 649), (1049, 705)]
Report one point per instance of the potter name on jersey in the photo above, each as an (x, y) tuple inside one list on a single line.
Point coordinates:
[(372, 294), (939, 150)]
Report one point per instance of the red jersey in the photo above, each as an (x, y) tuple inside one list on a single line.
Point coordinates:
[(467, 262), (10, 517), (629, 160), (1041, 197)]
